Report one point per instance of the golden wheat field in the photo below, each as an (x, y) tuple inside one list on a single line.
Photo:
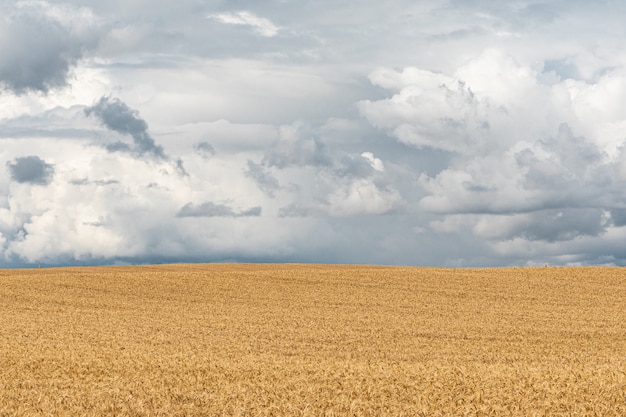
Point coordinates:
[(312, 340)]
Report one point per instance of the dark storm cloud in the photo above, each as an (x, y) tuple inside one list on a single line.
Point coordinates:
[(38, 47), (210, 209), (262, 177), (31, 170), (117, 116)]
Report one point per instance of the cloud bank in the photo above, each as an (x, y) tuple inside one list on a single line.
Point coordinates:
[(433, 133)]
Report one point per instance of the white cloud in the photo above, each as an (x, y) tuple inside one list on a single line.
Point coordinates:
[(532, 161), (429, 110), (361, 197), (262, 26), (374, 162), (461, 147)]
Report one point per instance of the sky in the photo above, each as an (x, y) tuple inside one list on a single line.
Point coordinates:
[(455, 133)]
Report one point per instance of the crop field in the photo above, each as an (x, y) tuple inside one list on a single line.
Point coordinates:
[(312, 340)]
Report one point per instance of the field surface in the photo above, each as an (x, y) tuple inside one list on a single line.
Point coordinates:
[(312, 340)]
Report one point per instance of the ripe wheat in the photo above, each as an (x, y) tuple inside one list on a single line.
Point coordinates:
[(312, 340)]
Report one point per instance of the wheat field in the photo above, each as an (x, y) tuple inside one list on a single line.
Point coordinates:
[(312, 340)]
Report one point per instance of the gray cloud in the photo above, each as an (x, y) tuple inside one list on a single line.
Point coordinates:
[(86, 181), (41, 42), (432, 110), (354, 166), (618, 216), (117, 116), (551, 225), (262, 177), (31, 170), (210, 209), (294, 210), (205, 149), (180, 168), (118, 147), (488, 133), (298, 145), (566, 161)]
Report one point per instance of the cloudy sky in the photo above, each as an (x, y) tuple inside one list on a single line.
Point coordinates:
[(435, 132)]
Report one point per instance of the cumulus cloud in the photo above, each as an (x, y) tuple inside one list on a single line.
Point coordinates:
[(430, 110), (210, 209), (41, 42), (563, 162), (563, 170), (114, 114), (339, 193), (262, 26), (31, 170), (322, 180), (374, 162), (521, 170), (361, 197), (297, 144), (493, 135), (352, 166)]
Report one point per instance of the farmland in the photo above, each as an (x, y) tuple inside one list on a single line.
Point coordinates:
[(312, 340)]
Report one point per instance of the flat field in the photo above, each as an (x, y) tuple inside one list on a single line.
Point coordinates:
[(312, 340)]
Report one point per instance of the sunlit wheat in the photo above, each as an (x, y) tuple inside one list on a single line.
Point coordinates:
[(312, 340)]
